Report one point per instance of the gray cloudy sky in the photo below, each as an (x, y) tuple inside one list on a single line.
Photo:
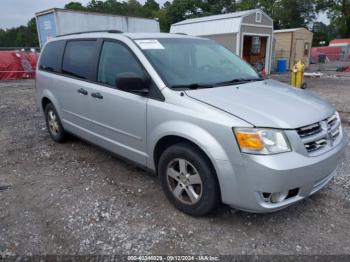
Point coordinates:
[(14, 13)]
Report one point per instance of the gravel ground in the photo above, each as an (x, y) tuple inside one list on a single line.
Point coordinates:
[(75, 198)]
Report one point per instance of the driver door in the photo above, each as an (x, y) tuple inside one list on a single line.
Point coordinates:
[(119, 116)]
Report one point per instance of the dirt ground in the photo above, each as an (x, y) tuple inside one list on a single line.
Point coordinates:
[(75, 198)]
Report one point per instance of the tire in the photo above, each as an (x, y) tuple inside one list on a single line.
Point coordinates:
[(195, 193), (54, 124)]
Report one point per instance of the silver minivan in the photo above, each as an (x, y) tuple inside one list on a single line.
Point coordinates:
[(195, 114)]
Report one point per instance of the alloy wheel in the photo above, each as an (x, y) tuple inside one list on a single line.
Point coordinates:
[(52, 121), (184, 181)]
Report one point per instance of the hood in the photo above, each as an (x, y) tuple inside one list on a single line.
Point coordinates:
[(267, 103)]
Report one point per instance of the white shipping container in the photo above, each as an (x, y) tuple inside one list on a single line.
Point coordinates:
[(54, 22)]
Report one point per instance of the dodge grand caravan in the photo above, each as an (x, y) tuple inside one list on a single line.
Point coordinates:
[(194, 113)]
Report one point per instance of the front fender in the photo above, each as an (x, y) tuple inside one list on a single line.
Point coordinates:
[(199, 136), (208, 144)]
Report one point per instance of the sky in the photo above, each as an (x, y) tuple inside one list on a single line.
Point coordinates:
[(14, 13)]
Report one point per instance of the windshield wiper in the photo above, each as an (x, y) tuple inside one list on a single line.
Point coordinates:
[(237, 81), (192, 86)]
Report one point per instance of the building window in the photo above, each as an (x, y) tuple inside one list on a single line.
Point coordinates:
[(258, 17), (306, 49)]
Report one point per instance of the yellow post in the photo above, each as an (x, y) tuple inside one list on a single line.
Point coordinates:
[(297, 75), (299, 79), (293, 75)]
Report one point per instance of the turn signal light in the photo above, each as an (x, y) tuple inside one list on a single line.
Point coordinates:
[(249, 141)]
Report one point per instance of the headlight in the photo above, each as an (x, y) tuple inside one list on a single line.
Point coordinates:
[(261, 141)]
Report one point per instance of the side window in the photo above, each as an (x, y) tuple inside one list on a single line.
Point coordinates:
[(115, 59), (78, 58), (51, 57)]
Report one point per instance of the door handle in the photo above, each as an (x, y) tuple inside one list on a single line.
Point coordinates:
[(97, 95), (82, 91)]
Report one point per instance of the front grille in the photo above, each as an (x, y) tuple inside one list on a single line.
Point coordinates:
[(320, 136), (315, 145), (310, 130)]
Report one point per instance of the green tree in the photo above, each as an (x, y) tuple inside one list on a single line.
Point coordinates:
[(151, 5), (220, 6), (339, 13), (22, 36), (74, 6), (183, 9), (322, 33)]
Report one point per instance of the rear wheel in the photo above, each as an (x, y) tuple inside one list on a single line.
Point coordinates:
[(53, 124), (188, 180)]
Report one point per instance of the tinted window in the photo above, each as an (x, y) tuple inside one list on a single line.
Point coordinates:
[(78, 58), (115, 59), (51, 56)]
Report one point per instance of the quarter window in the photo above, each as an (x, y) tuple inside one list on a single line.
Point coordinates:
[(78, 59), (51, 56), (116, 59)]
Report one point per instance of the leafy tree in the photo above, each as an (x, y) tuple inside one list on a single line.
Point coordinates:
[(23, 36), (75, 6), (221, 6), (183, 9), (151, 5), (339, 14), (322, 33)]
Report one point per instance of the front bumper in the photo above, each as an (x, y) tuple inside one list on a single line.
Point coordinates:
[(279, 173)]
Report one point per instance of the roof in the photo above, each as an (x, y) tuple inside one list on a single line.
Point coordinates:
[(106, 34), (55, 10), (289, 30), (217, 17), (156, 35), (215, 24), (340, 41)]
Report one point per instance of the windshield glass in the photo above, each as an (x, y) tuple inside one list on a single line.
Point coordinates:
[(185, 62)]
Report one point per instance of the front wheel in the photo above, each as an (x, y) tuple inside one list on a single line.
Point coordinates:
[(188, 180)]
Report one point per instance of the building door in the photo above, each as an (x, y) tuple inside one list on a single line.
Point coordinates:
[(255, 51)]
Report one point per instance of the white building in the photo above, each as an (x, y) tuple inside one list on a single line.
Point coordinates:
[(248, 33)]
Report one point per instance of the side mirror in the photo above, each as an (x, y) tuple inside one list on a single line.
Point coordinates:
[(133, 83)]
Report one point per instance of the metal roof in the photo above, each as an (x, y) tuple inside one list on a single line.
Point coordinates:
[(55, 10), (111, 33), (156, 35), (215, 24), (217, 17), (289, 30)]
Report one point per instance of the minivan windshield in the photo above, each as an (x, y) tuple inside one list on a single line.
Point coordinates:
[(195, 63)]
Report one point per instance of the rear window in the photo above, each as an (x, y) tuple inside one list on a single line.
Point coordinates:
[(78, 60), (51, 56)]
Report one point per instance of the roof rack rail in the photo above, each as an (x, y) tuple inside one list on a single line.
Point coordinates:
[(180, 33), (96, 31)]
